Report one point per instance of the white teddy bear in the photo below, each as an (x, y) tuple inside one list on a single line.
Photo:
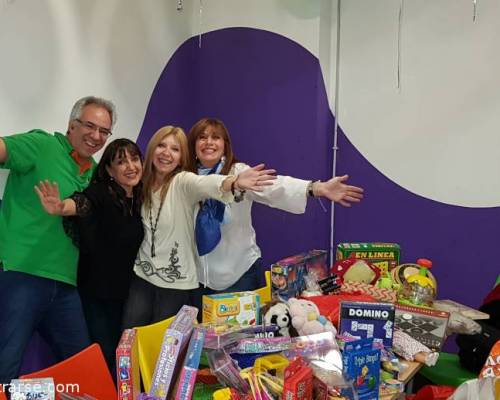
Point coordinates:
[(306, 318)]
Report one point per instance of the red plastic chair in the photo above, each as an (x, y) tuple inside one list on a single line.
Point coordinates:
[(86, 369)]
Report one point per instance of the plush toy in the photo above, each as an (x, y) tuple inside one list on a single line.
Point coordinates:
[(306, 318), (278, 313)]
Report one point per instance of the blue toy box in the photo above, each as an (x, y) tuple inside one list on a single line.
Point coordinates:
[(362, 365)]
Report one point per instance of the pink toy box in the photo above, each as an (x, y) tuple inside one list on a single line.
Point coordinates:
[(174, 343)]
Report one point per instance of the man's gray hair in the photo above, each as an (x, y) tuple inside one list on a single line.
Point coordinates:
[(76, 111)]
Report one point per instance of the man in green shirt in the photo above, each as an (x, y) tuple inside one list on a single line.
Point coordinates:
[(38, 261)]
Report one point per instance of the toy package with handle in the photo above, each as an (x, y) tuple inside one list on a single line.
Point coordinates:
[(298, 383)]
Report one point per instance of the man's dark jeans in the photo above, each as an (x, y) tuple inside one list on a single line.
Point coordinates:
[(29, 303)]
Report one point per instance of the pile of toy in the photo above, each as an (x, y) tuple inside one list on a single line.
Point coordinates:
[(339, 332)]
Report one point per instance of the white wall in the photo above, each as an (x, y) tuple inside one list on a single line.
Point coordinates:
[(436, 136)]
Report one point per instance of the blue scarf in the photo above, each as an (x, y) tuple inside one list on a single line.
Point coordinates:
[(210, 217)]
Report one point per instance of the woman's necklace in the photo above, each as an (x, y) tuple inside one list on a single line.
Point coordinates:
[(154, 227)]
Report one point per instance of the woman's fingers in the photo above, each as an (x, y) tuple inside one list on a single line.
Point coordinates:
[(46, 189), (352, 199), (39, 193), (258, 167), (267, 172)]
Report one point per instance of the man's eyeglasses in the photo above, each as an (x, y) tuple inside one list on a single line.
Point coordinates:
[(105, 132)]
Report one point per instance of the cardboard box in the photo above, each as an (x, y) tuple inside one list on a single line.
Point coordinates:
[(426, 325), (187, 377), (287, 275), (367, 320), (127, 366), (384, 256), (174, 343), (298, 381), (242, 308), (32, 388), (362, 364)]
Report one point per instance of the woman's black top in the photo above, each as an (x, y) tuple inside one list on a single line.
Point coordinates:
[(108, 230)]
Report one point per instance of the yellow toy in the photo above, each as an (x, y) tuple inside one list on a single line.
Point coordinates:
[(274, 362), (419, 289)]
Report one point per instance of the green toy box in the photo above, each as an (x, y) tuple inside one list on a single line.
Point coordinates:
[(384, 256)]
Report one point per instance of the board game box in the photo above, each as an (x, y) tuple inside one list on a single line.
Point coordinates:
[(426, 325), (385, 256), (367, 320)]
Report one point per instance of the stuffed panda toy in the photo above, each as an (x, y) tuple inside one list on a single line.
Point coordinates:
[(277, 313)]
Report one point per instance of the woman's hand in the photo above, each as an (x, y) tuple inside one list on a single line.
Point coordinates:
[(50, 197), (255, 178), (336, 190)]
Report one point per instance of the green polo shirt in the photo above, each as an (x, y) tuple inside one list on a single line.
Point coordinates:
[(31, 240)]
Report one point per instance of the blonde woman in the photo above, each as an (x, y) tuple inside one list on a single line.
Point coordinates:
[(166, 265)]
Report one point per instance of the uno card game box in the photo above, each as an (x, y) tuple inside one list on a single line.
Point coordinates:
[(287, 275), (127, 366), (426, 325), (367, 320), (384, 256)]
